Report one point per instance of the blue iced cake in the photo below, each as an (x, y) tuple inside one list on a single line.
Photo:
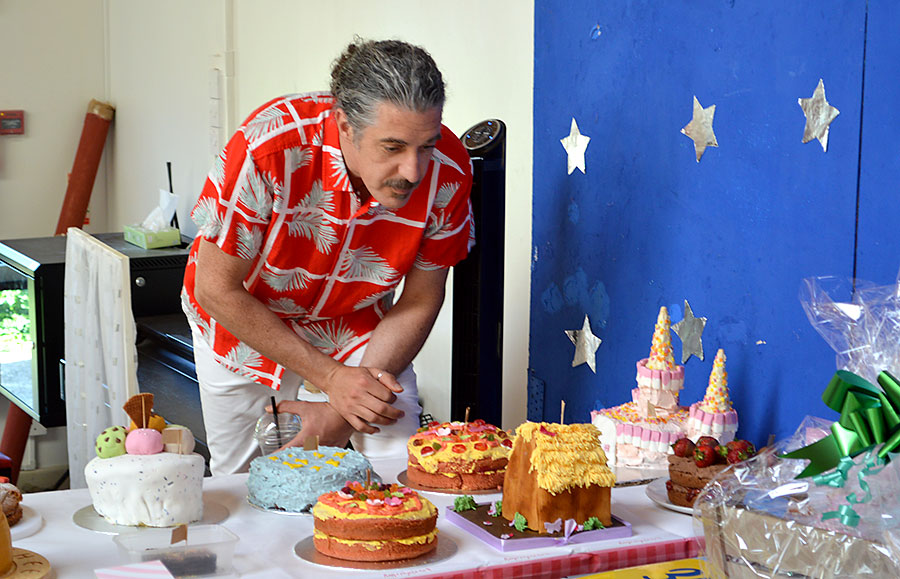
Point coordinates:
[(292, 479)]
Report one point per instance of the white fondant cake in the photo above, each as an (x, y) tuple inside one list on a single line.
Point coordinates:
[(292, 479), (153, 490)]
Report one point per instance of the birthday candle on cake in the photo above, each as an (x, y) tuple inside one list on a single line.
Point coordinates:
[(716, 399), (661, 348)]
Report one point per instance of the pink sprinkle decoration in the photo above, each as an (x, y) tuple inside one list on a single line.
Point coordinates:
[(443, 431), (393, 502), (344, 495), (547, 432), (486, 523), (505, 536), (406, 490)]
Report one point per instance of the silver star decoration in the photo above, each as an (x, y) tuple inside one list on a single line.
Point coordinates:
[(819, 115), (700, 128), (586, 344), (575, 145), (689, 330)]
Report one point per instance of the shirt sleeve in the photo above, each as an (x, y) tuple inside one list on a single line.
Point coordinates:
[(235, 206), (450, 232)]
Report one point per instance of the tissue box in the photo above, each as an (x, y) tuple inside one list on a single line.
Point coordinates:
[(143, 237), (207, 552)]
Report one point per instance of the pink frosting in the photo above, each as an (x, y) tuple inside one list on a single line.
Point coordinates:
[(144, 441), (664, 376)]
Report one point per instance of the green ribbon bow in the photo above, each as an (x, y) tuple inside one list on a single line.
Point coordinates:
[(869, 417)]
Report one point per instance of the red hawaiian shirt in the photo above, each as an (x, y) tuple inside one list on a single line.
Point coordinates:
[(279, 195)]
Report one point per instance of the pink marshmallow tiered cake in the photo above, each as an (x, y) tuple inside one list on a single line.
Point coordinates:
[(640, 432), (714, 416)]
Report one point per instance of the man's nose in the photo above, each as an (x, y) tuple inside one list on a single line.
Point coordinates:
[(410, 168)]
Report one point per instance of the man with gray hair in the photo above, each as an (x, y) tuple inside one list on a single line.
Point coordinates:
[(319, 205)]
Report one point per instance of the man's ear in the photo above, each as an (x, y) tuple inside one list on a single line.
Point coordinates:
[(343, 125)]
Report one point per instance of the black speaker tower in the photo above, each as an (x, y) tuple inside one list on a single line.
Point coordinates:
[(477, 359)]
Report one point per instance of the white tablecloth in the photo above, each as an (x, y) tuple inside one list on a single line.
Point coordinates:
[(266, 545)]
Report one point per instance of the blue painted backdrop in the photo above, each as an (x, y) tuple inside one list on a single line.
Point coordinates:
[(648, 226)]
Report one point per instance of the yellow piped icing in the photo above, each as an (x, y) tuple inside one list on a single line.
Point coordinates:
[(565, 455), (375, 545), (318, 454), (716, 398), (339, 454), (661, 357)]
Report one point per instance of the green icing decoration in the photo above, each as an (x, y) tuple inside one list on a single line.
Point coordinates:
[(519, 522), (111, 442), (593, 524), (464, 503)]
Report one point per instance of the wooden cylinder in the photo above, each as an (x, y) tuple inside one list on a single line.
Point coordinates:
[(84, 169)]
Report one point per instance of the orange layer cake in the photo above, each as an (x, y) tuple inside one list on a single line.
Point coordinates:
[(458, 455), (378, 522)]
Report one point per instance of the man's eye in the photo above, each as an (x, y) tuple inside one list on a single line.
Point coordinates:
[(392, 149)]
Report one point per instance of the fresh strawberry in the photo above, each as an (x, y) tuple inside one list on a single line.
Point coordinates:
[(722, 450), (743, 445), (683, 447), (736, 455), (704, 456), (707, 441)]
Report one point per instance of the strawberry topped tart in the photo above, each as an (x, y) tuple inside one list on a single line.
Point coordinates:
[(374, 522), (458, 455)]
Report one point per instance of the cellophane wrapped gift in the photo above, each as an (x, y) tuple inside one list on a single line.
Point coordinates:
[(759, 520), (765, 518)]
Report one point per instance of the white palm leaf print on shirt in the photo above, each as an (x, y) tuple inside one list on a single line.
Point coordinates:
[(207, 218), (363, 264), (339, 171), (436, 223), (217, 174), (445, 194), (287, 306), (298, 157), (328, 338), (243, 355), (285, 280), (309, 219), (373, 298), (426, 265), (249, 240), (192, 313), (255, 195), (268, 120)]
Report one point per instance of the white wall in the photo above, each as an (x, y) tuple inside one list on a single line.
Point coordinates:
[(154, 60), (53, 65)]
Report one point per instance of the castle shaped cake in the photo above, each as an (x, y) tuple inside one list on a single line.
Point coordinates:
[(714, 415), (641, 432)]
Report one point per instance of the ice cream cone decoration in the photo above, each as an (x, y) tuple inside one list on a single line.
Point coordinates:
[(661, 349), (716, 399)]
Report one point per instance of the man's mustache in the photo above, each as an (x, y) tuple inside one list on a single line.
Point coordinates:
[(400, 184)]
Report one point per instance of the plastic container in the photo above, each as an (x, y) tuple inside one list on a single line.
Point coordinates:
[(270, 438), (207, 552)]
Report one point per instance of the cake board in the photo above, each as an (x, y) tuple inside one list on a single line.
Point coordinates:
[(88, 518), (305, 549), (495, 534)]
